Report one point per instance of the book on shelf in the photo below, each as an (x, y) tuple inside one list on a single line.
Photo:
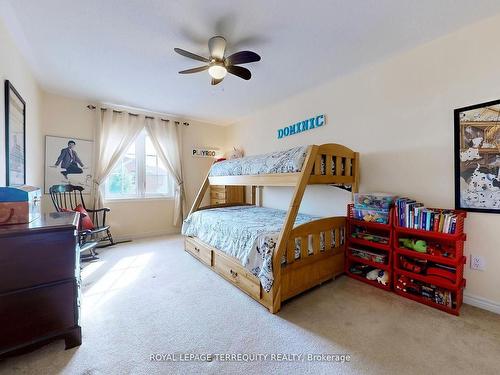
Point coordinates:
[(414, 215)]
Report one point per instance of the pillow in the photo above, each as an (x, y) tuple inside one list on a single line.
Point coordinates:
[(85, 219)]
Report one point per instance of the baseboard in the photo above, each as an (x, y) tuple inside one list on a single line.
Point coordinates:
[(140, 236), (482, 303)]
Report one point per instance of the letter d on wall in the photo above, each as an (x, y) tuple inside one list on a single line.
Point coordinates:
[(280, 133)]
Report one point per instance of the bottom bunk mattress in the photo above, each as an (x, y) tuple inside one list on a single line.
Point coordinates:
[(248, 233)]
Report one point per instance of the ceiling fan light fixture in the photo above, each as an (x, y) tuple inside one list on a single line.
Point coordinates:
[(217, 71)]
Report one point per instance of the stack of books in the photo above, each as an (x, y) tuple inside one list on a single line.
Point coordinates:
[(413, 214)]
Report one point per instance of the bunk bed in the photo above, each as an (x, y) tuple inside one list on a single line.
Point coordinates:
[(287, 253)]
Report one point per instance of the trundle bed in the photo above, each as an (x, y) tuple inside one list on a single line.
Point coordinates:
[(273, 255)]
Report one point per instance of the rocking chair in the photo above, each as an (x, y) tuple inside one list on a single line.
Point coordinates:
[(67, 197)]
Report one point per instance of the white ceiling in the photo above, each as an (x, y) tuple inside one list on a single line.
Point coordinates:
[(121, 51)]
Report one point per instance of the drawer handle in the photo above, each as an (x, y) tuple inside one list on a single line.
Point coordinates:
[(233, 273), (196, 249)]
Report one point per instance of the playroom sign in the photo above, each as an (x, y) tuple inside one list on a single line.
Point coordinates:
[(201, 152), (302, 126)]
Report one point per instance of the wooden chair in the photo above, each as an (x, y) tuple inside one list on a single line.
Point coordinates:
[(67, 197)]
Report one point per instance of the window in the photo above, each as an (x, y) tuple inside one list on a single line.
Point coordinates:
[(139, 173)]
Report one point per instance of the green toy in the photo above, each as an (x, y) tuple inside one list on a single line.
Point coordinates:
[(417, 245)]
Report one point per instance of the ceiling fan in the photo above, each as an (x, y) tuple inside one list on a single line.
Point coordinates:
[(218, 65)]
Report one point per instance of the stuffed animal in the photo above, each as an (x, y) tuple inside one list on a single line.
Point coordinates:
[(373, 274), (417, 245), (235, 153), (383, 277)]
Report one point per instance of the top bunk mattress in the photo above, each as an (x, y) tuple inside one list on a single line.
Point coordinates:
[(287, 161), (248, 233)]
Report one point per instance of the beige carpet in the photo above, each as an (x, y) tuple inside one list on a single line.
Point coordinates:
[(151, 297)]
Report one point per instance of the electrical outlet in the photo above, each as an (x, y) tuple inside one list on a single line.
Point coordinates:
[(477, 262)]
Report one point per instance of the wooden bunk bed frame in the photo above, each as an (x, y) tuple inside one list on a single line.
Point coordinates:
[(295, 275)]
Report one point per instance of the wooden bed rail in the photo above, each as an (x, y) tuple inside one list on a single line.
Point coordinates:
[(316, 237), (335, 164)]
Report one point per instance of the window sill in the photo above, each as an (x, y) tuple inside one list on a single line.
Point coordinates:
[(141, 199)]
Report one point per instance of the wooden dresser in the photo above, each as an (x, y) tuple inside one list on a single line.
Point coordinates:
[(220, 194), (39, 283)]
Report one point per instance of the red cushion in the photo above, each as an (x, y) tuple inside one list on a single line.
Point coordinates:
[(86, 221)]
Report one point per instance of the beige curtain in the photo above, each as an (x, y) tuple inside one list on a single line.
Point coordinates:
[(166, 138), (115, 133)]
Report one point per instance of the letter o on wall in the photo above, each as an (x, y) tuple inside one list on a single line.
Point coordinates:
[(286, 131)]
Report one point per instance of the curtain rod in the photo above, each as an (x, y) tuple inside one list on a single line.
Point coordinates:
[(93, 107)]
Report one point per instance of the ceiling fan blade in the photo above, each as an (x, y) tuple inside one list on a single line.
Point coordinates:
[(216, 81), (242, 57), (217, 47), (190, 55), (194, 70), (239, 71)]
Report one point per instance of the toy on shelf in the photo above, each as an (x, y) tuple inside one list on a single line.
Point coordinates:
[(417, 245), (367, 236), (371, 255), (383, 277), (428, 247), (412, 265)]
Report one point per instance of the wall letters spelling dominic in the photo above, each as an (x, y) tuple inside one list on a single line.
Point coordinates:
[(302, 126)]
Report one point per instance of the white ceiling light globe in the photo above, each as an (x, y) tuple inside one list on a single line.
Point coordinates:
[(217, 71)]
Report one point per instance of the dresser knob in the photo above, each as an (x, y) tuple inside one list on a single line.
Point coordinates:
[(196, 249), (233, 273)]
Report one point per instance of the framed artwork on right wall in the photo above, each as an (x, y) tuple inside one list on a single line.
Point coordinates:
[(477, 157)]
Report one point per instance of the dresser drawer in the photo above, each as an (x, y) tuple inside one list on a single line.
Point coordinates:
[(37, 312), (37, 258), (199, 250), (236, 274)]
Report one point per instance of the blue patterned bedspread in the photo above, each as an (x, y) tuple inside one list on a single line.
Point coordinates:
[(287, 161), (248, 233)]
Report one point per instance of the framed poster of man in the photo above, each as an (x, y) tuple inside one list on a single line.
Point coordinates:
[(69, 161), (477, 157)]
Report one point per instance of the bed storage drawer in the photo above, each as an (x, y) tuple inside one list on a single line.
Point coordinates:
[(199, 251), (238, 275)]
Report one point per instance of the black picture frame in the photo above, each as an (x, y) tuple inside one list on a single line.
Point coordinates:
[(12, 177), (460, 139)]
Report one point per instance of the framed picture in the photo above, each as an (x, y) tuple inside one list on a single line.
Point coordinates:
[(15, 136), (69, 161), (477, 157)]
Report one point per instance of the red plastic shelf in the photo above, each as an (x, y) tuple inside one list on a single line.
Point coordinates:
[(458, 235), (458, 295), (382, 266), (432, 258), (434, 280), (370, 244), (368, 224), (431, 234)]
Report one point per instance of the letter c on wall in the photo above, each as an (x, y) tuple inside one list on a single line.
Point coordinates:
[(320, 120)]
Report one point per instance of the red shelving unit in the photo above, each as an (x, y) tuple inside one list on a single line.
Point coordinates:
[(385, 230), (453, 243)]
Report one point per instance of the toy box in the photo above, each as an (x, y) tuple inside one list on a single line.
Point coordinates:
[(376, 201), (369, 255), (19, 205)]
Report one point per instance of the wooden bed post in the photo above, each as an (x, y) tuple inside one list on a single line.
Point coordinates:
[(355, 186), (288, 225), (200, 195)]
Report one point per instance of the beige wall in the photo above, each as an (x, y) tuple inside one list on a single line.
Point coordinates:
[(68, 117), (399, 115), (14, 68)]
